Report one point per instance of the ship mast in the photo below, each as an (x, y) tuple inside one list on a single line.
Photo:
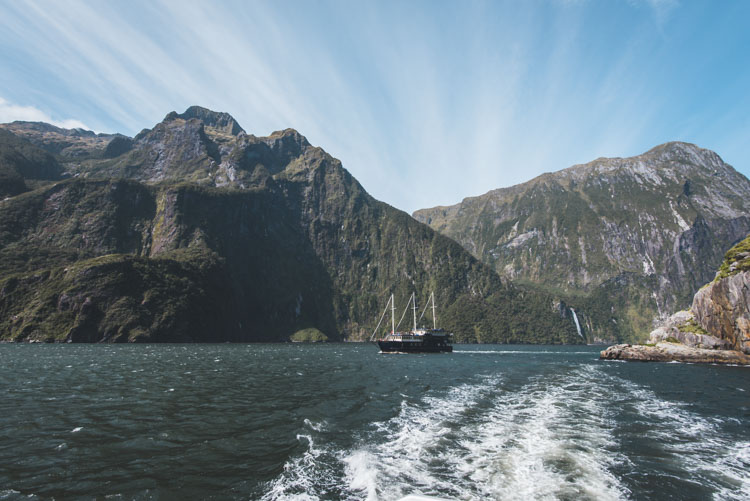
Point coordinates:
[(434, 319), (393, 316), (414, 307)]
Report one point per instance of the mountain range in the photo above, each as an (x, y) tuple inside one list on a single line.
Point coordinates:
[(195, 230), (624, 241)]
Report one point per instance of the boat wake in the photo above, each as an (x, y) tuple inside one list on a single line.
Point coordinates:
[(555, 437), (546, 441)]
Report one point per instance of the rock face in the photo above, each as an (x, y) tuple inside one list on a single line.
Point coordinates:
[(683, 327), (625, 240), (673, 352), (197, 231), (723, 306)]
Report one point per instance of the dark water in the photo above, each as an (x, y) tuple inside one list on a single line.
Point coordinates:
[(344, 422)]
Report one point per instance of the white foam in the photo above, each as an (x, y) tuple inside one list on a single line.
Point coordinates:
[(297, 483), (76, 429), (409, 458), (320, 426), (361, 475), (547, 441)]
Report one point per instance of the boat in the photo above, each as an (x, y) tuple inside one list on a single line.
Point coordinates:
[(417, 340)]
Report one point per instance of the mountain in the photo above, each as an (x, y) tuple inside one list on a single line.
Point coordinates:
[(194, 230), (68, 143), (625, 240), (24, 165)]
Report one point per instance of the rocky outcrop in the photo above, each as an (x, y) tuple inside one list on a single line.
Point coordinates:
[(673, 352), (717, 327), (723, 308), (683, 327)]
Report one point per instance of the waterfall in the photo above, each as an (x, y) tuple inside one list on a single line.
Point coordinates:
[(578, 326)]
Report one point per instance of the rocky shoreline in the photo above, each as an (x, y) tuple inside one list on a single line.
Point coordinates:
[(716, 329), (673, 352)]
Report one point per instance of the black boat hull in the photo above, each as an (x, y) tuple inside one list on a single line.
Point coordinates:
[(411, 347)]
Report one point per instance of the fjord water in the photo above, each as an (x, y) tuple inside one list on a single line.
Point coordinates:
[(344, 422)]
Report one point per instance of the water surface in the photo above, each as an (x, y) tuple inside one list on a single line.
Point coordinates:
[(344, 422)]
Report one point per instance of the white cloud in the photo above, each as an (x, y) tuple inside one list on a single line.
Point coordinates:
[(422, 107), (10, 112)]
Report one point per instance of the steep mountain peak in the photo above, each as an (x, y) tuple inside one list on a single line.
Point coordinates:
[(289, 135), (683, 152), (288, 143), (675, 146), (216, 123)]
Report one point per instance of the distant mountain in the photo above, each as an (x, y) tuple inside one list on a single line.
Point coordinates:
[(197, 231), (625, 240), (24, 165), (68, 143)]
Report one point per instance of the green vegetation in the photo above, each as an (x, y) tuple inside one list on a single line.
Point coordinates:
[(736, 260), (692, 327), (309, 335), (671, 339)]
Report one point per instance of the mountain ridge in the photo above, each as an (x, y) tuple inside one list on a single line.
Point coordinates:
[(195, 234), (660, 221)]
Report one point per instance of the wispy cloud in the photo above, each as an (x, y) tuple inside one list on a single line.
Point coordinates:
[(424, 102), (10, 112)]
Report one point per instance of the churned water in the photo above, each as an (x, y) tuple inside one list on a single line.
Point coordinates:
[(344, 422)]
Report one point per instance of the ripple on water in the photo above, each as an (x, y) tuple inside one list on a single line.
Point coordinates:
[(342, 422)]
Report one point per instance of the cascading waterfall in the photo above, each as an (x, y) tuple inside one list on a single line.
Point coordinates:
[(578, 326)]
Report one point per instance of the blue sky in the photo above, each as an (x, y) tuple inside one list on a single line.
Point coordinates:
[(425, 103)]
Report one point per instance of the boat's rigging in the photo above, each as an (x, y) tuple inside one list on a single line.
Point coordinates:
[(413, 303), (415, 340), (434, 318), (403, 314), (390, 302)]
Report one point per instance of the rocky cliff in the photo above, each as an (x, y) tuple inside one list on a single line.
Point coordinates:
[(623, 240), (195, 230), (723, 307)]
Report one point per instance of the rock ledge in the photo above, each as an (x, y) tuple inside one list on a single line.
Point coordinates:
[(673, 352)]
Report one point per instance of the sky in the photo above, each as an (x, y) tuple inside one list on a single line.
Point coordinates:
[(425, 103)]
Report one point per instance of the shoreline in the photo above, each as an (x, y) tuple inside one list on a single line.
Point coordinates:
[(673, 352)]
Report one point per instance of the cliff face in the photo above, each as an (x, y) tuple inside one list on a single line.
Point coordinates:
[(723, 306), (625, 240), (197, 231)]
